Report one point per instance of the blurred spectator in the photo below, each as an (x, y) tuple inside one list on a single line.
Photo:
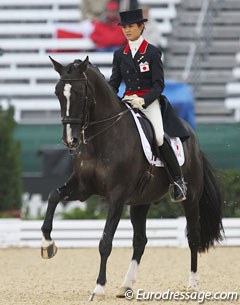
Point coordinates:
[(104, 32), (152, 31), (93, 9), (107, 35), (126, 5)]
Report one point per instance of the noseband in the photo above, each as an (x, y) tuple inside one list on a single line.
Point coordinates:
[(85, 121)]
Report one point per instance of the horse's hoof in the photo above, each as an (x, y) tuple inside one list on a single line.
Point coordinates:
[(49, 251), (193, 288), (97, 297), (121, 292), (98, 293), (193, 282), (125, 292)]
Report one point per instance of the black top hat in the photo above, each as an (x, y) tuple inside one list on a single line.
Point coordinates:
[(129, 17)]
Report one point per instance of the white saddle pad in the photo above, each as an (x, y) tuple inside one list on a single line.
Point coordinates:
[(175, 143)]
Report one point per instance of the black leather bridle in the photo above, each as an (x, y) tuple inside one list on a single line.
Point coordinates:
[(84, 121), (72, 120)]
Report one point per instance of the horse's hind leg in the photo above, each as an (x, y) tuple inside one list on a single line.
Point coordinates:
[(48, 249), (138, 215), (193, 234)]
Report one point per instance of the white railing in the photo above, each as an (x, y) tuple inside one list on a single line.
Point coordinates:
[(233, 91), (44, 44), (14, 60), (87, 233), (193, 45), (234, 103)]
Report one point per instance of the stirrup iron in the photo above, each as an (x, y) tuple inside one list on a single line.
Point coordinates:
[(182, 189)]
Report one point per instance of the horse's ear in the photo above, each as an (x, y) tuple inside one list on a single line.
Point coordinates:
[(84, 64), (57, 66)]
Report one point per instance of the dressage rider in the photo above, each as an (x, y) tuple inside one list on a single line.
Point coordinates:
[(139, 65)]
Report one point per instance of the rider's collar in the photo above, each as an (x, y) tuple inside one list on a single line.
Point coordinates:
[(142, 47)]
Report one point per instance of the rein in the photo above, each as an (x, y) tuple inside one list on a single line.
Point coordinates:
[(117, 117), (86, 122)]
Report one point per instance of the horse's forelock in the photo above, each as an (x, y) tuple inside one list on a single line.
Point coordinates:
[(77, 63), (73, 70), (74, 67)]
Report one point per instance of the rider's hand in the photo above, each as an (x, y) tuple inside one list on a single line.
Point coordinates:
[(135, 101), (129, 98)]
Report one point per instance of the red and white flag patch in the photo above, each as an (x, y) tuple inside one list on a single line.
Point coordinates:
[(144, 66)]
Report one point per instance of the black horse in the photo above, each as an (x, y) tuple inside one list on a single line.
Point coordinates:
[(108, 161)]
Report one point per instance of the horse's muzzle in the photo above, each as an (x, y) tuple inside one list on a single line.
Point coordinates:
[(73, 144)]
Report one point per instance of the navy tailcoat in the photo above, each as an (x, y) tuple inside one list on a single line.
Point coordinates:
[(143, 75)]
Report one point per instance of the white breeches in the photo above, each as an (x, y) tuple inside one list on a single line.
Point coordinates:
[(153, 113)]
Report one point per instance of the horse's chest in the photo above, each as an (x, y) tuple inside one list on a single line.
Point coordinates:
[(93, 175), (84, 167)]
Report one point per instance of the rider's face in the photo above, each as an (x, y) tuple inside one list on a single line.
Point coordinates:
[(132, 31)]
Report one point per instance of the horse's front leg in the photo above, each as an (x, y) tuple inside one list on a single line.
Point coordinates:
[(138, 215), (105, 244), (49, 249)]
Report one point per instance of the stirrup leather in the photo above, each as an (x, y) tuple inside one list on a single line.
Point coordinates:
[(182, 188)]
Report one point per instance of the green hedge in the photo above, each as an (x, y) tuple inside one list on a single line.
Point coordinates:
[(230, 181), (230, 185), (95, 209), (10, 168)]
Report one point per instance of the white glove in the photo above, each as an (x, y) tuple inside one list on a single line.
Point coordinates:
[(135, 101), (129, 98)]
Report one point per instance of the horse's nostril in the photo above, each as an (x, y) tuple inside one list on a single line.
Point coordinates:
[(74, 142)]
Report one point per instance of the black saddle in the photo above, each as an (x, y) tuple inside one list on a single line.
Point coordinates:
[(149, 133)]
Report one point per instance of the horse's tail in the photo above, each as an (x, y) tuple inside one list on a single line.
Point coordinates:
[(210, 208)]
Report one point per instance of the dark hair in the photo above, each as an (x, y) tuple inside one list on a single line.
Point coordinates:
[(139, 24)]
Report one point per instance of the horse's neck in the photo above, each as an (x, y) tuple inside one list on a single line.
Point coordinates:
[(107, 103)]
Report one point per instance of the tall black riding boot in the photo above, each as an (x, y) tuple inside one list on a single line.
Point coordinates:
[(174, 172)]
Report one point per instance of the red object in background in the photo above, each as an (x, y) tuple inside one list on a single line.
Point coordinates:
[(112, 5), (66, 34), (62, 34), (106, 35)]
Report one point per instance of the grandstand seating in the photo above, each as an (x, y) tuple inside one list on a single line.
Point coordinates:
[(27, 36), (217, 64), (233, 90)]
